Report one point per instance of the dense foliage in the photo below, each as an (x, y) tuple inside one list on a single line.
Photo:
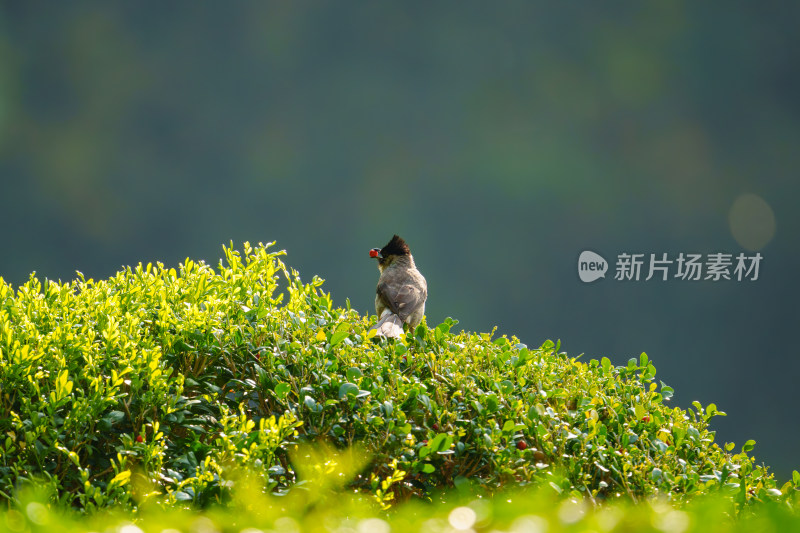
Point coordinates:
[(180, 386)]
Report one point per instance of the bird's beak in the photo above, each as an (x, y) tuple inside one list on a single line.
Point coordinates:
[(375, 252)]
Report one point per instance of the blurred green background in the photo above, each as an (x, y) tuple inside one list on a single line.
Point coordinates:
[(499, 139)]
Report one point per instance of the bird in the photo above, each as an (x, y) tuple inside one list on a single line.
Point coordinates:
[(401, 292)]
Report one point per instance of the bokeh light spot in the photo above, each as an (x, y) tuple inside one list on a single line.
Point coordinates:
[(752, 221), (462, 518)]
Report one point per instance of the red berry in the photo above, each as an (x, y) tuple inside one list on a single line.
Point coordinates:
[(436, 427), (139, 438), (645, 418), (521, 444)]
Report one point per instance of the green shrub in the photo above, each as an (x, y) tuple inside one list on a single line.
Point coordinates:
[(173, 386)]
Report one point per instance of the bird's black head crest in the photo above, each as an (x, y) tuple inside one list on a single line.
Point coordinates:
[(396, 246)]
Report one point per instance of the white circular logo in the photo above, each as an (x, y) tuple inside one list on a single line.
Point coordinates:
[(591, 266)]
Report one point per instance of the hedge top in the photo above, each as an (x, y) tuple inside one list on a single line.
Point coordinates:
[(164, 385)]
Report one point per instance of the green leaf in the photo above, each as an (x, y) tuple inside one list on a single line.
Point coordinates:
[(656, 474), (121, 479), (310, 403), (666, 391), (182, 496), (748, 446), (354, 373), (491, 402), (428, 468), (115, 417), (436, 444), (424, 452), (445, 326), (348, 389), (282, 389), (506, 387), (338, 337)]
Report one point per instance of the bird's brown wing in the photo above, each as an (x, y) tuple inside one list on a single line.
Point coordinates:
[(401, 299)]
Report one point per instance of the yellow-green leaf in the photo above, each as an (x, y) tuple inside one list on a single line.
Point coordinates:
[(122, 478)]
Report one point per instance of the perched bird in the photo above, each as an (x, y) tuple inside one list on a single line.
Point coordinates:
[(401, 291)]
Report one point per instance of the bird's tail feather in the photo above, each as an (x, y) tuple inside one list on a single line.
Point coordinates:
[(389, 325)]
